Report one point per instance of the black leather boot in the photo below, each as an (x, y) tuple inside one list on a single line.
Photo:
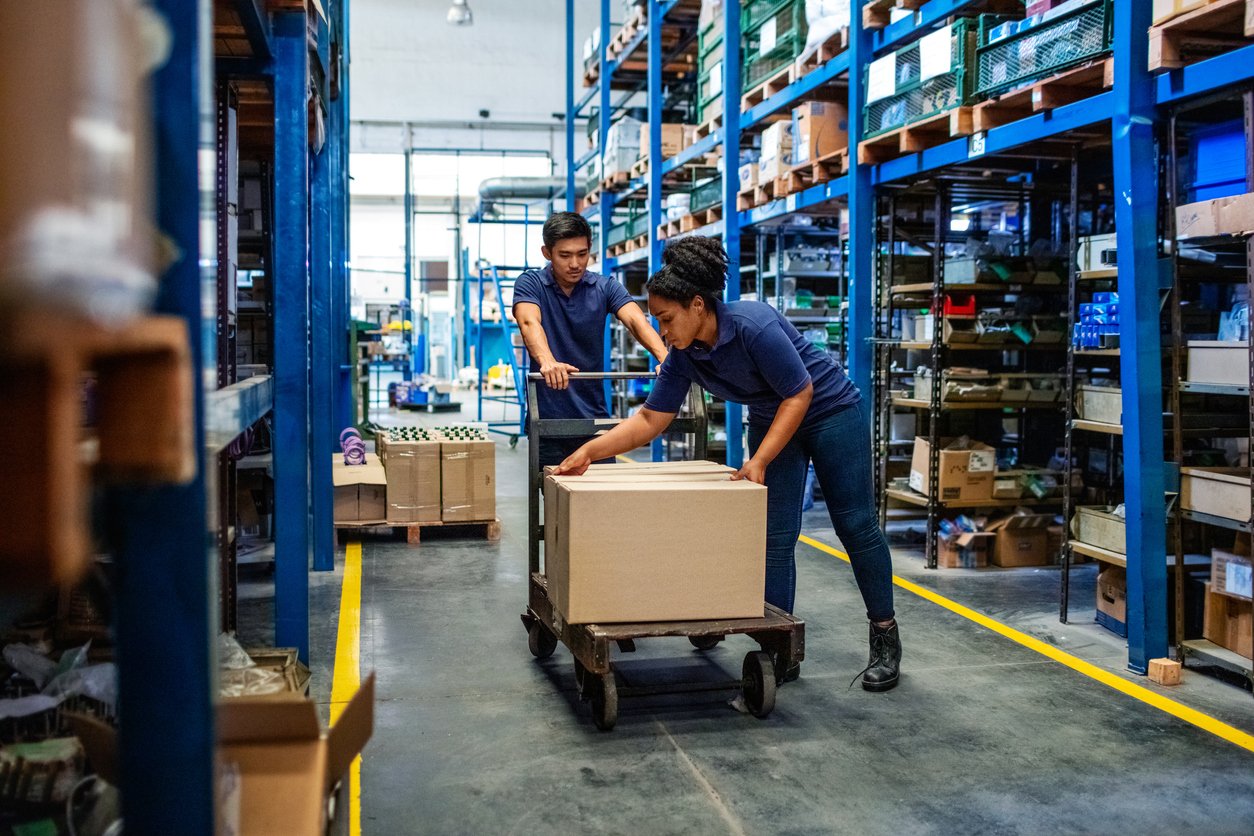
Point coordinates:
[(884, 666)]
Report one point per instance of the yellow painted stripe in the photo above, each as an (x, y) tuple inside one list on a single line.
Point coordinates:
[(347, 675), (623, 458), (1138, 692)]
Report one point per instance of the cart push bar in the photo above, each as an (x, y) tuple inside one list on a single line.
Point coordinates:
[(539, 427)]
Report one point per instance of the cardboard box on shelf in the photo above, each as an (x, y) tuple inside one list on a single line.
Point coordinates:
[(1213, 361), (468, 481), (748, 176), (413, 474), (360, 491), (1021, 540), (701, 525), (819, 129), (1112, 599), (965, 475), (672, 139), (1218, 216), (1227, 622), (1218, 491), (1230, 574), (1099, 403), (1165, 10), (1098, 526), (1096, 252), (777, 147), (968, 550)]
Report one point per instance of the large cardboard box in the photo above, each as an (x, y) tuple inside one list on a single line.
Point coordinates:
[(1218, 491), (1219, 216), (360, 491), (1230, 574), (819, 129), (287, 764), (1227, 622), (672, 139), (1112, 599), (700, 555), (1213, 361), (776, 151), (1021, 540), (468, 481), (413, 474), (1098, 526), (1165, 10), (968, 550), (965, 475), (1099, 403)]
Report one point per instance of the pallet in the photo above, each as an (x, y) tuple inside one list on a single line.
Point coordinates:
[(639, 168), (774, 84), (747, 200), (690, 222), (1047, 94), (49, 369), (615, 181), (593, 197), (876, 14), (829, 49), (707, 128), (826, 168), (1218, 27), (624, 247), (917, 136), (626, 33), (489, 530)]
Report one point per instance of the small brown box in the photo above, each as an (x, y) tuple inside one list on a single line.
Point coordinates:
[(1164, 671)]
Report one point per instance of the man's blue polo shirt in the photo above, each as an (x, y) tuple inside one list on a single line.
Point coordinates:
[(758, 360), (575, 328)]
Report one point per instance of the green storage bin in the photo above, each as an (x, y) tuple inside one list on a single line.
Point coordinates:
[(757, 12), (1080, 35), (707, 194), (916, 99), (618, 234)]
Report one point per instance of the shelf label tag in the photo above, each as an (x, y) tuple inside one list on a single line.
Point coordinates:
[(768, 37), (936, 53), (976, 145), (716, 79), (881, 80)]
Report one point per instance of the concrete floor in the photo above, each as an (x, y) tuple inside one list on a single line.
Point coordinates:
[(474, 736)]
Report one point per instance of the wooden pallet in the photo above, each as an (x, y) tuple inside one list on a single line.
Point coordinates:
[(747, 200), (1047, 94), (624, 247), (639, 168), (615, 181), (592, 197), (829, 49), (707, 128), (876, 14), (489, 530), (1218, 27), (917, 136), (774, 84)]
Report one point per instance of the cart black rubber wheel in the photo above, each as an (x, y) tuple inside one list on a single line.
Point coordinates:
[(605, 702), (758, 682), (541, 642), (705, 642), (513, 442)]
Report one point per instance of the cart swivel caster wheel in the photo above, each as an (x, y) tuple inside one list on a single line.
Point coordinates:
[(758, 682), (705, 642), (513, 442), (540, 641), (604, 700)]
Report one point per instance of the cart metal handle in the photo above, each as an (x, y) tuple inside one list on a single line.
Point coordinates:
[(599, 375)]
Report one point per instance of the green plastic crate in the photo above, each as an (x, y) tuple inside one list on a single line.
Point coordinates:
[(618, 234), (916, 99), (758, 68), (708, 61), (707, 194), (757, 12), (639, 225), (1080, 35), (707, 109)]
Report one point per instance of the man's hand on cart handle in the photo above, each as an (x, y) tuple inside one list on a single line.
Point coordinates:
[(576, 464), (556, 374), (753, 470)]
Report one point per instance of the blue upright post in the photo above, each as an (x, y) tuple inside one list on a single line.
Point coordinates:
[(655, 154), (291, 337), (166, 597), (571, 200), (407, 314), (605, 207), (322, 361), (731, 215), (1136, 206), (341, 350), (861, 219)]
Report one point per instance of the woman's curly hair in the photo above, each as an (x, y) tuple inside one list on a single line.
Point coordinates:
[(691, 267)]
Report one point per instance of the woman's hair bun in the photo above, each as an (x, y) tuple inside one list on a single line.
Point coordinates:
[(701, 261)]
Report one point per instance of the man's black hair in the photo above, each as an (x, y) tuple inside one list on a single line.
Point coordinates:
[(563, 225)]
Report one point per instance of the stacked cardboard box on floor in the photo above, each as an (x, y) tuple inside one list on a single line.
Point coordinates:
[(467, 475), (412, 462), (701, 554), (360, 491), (445, 474)]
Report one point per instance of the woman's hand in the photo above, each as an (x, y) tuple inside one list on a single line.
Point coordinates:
[(752, 470), (576, 464)]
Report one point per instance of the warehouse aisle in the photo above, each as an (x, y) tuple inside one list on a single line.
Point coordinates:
[(474, 736)]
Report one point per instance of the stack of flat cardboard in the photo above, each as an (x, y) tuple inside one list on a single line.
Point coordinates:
[(695, 551)]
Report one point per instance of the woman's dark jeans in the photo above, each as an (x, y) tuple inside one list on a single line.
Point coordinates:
[(840, 447)]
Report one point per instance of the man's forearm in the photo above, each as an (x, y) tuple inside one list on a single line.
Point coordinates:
[(536, 341)]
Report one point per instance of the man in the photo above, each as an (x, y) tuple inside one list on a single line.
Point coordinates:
[(561, 312)]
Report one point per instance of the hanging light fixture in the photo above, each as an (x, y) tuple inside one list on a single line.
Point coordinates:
[(459, 14)]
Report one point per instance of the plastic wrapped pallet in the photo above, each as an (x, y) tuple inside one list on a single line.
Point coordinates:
[(824, 18)]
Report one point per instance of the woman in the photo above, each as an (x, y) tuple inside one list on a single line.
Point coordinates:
[(802, 408)]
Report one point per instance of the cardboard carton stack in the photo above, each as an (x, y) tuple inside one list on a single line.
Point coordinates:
[(1020, 539), (467, 475), (1229, 594), (411, 459), (702, 555)]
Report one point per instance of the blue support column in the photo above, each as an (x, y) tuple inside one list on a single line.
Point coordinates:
[(654, 93), (731, 215), (861, 219), (166, 595), (291, 334), (571, 198), (1136, 207), (341, 350), (407, 315), (605, 206), (322, 360)]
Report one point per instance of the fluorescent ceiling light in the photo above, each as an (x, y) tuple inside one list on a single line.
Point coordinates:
[(459, 13)]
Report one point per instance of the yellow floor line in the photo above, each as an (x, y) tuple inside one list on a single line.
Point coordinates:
[(347, 675), (1145, 695)]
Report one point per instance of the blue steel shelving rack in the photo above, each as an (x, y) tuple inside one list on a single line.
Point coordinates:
[(166, 595), (1132, 109)]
